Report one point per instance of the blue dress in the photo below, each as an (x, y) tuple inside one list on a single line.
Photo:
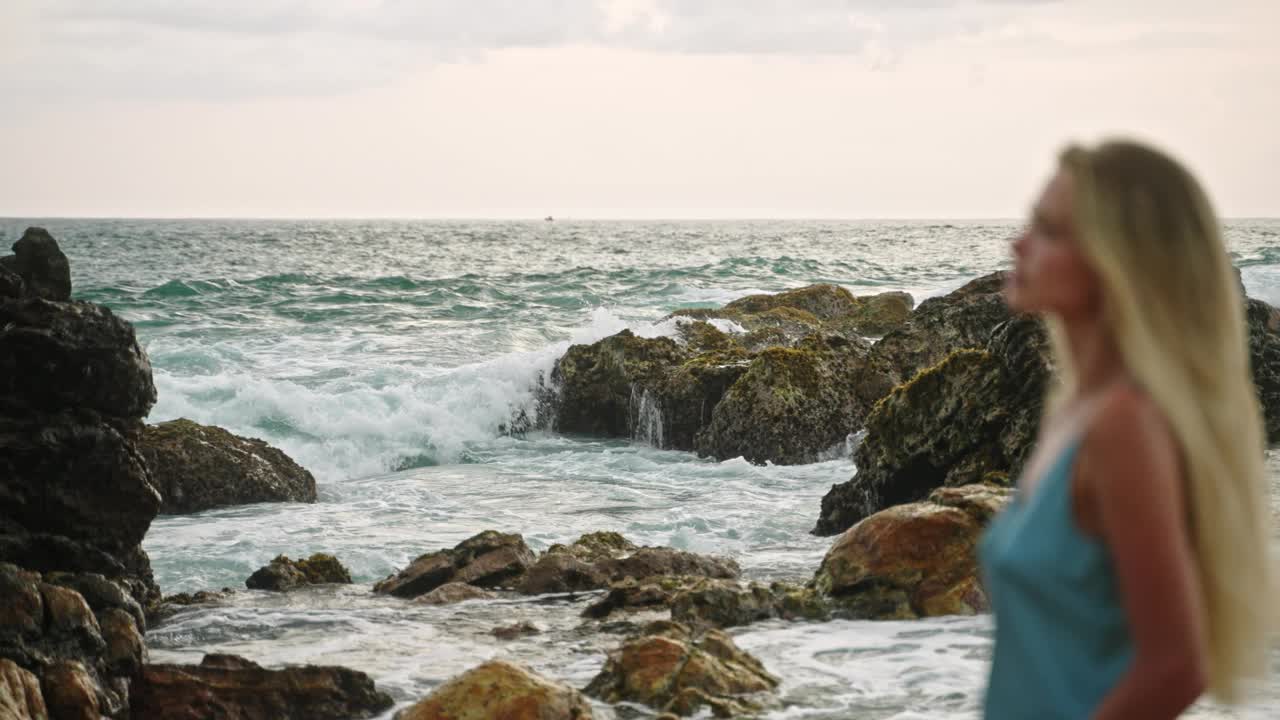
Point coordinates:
[(1062, 640)]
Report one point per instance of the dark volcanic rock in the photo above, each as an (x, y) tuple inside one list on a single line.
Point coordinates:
[(198, 467), (76, 498), (40, 263), (58, 356), (972, 418), (226, 686)]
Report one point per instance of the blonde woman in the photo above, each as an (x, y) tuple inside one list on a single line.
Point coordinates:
[(1131, 574)]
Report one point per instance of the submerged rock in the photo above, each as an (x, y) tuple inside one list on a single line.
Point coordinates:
[(500, 690), (673, 668), (454, 592), (226, 686), (199, 467), (913, 560), (971, 418), (518, 630), (283, 574), (489, 560)]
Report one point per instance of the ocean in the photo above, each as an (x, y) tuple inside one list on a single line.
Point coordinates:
[(383, 356)]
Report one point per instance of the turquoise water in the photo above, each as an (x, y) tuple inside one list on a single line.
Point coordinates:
[(384, 355)]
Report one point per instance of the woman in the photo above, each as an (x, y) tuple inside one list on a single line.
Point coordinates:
[(1131, 572)]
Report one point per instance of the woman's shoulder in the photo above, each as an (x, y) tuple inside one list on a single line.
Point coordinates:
[(1129, 437)]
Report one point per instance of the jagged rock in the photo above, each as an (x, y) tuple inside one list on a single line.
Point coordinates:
[(226, 686), (675, 669), (971, 418), (638, 594), (283, 574), (454, 592), (595, 560), (941, 325), (20, 696), (101, 594), (791, 404), (913, 560), (499, 690), (198, 467), (40, 263), (488, 560)]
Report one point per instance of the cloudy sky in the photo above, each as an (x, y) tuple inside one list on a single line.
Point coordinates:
[(618, 108)]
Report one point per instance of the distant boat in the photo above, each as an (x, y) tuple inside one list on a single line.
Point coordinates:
[(549, 219)]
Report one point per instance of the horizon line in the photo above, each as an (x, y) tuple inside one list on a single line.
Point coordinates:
[(569, 218)]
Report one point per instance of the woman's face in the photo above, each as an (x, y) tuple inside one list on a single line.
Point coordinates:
[(1050, 274)]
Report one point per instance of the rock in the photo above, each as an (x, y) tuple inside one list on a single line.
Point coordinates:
[(101, 594), (488, 560), (231, 687), (824, 308), (499, 690), (58, 356), (125, 651), (560, 573), (283, 574), (595, 560), (961, 319), (638, 594), (1264, 356), (71, 692), (520, 629), (594, 383), (725, 603), (454, 592), (792, 404), (674, 669), (11, 283), (877, 315), (198, 467), (20, 696), (971, 418), (40, 263), (913, 560)]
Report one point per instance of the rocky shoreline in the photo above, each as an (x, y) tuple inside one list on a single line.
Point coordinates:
[(938, 404)]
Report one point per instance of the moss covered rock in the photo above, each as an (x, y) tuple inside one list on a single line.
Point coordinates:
[(283, 574), (1264, 356), (941, 325), (500, 690), (674, 668), (972, 418), (198, 467), (793, 404)]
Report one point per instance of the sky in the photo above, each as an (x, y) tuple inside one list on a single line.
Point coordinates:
[(619, 108)]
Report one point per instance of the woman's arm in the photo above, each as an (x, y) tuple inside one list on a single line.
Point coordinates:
[(1133, 475)]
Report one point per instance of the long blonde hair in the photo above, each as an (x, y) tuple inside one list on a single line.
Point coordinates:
[(1171, 298)]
